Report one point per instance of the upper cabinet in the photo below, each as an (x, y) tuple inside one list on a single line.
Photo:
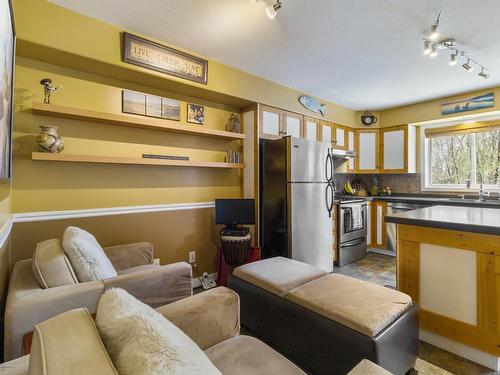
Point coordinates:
[(398, 149), (326, 131), (351, 146), (311, 129), (292, 124), (340, 137), (367, 151), (271, 122)]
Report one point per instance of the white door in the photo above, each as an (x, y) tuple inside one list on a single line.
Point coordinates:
[(292, 126), (394, 149), (270, 123), (367, 151), (311, 130), (327, 133), (340, 134), (350, 147)]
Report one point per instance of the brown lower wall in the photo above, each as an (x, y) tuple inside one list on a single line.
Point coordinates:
[(173, 234)]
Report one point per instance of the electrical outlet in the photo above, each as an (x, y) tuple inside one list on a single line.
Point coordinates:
[(192, 256), (156, 261)]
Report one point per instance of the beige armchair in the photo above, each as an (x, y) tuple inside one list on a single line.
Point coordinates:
[(46, 285)]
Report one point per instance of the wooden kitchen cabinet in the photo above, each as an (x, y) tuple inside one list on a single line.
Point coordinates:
[(292, 124), (340, 137), (271, 122), (276, 123), (351, 163), (367, 151), (327, 132), (378, 227), (398, 149), (311, 129)]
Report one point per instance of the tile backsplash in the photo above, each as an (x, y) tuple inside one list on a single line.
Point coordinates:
[(399, 183)]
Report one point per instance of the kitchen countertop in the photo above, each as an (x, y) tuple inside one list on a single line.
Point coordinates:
[(466, 219), (443, 201)]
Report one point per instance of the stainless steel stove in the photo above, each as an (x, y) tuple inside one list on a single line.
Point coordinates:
[(351, 228)]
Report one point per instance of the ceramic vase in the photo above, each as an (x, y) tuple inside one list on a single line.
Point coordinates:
[(49, 140)]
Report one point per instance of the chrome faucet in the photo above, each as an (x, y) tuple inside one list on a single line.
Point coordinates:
[(482, 194)]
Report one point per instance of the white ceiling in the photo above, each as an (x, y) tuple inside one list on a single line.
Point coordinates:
[(362, 54)]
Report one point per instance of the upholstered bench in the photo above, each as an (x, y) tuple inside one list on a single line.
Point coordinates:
[(327, 323)]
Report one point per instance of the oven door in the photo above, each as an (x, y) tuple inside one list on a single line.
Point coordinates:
[(348, 231)]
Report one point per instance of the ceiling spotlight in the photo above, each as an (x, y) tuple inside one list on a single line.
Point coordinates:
[(467, 66), (484, 73), (434, 51), (453, 59), (272, 10), (427, 47)]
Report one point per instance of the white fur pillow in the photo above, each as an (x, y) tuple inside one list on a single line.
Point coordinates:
[(141, 341), (86, 255)]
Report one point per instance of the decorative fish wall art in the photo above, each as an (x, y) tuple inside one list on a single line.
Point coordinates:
[(312, 105)]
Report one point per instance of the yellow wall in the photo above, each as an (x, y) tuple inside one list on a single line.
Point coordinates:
[(431, 110), (63, 37), (46, 186)]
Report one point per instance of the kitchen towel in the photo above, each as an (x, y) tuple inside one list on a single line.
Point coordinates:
[(356, 217)]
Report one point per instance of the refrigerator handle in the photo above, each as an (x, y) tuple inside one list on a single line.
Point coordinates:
[(328, 167), (329, 198)]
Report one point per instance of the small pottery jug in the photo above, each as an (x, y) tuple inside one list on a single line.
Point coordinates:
[(49, 140), (233, 124)]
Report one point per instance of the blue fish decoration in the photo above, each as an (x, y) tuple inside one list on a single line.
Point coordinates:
[(312, 104)]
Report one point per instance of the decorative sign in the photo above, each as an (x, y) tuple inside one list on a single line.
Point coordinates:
[(151, 55), (468, 104)]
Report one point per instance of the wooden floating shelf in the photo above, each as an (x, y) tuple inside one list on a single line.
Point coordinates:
[(132, 121), (45, 156)]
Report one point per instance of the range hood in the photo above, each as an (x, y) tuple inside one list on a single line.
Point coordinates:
[(343, 154)]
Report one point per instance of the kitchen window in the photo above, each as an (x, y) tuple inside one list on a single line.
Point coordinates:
[(451, 153)]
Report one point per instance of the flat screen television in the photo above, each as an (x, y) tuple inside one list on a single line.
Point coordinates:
[(233, 212)]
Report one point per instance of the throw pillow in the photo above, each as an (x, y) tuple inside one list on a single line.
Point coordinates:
[(86, 255), (141, 341)]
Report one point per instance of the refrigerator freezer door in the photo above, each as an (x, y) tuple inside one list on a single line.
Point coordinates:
[(307, 160), (311, 228)]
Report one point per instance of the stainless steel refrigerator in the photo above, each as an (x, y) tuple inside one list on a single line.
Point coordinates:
[(296, 200)]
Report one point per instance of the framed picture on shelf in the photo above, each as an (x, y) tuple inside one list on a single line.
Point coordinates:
[(133, 102), (195, 114), (153, 106), (170, 109), (7, 56)]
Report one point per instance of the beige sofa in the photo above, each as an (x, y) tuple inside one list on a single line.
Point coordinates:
[(46, 285), (211, 319)]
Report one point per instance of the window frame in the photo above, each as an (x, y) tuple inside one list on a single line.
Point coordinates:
[(426, 163)]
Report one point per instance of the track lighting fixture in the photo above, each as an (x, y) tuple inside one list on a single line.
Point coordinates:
[(272, 10), (432, 44), (453, 59), (467, 66), (484, 73), (427, 47)]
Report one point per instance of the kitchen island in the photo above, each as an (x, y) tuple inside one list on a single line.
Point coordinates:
[(448, 261)]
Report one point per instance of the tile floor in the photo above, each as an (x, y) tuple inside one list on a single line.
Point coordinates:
[(376, 268), (381, 269)]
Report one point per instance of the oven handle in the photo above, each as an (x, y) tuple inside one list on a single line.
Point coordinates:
[(348, 207), (354, 244)]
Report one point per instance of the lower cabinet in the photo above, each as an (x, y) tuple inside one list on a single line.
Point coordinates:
[(377, 236)]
